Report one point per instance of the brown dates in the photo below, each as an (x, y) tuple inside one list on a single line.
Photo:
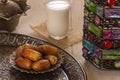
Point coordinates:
[(36, 58)]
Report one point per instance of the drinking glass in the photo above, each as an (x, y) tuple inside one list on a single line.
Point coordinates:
[(58, 18)]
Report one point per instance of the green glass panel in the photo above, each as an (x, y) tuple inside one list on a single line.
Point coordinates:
[(117, 64), (96, 61), (111, 57), (91, 6), (111, 52), (94, 29)]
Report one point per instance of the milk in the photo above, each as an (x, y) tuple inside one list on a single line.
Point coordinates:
[(58, 18)]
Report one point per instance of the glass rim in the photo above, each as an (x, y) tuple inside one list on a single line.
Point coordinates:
[(58, 5)]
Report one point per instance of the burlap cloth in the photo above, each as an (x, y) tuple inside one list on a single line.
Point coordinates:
[(74, 36)]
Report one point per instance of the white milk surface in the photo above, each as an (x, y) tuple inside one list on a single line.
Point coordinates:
[(58, 18)]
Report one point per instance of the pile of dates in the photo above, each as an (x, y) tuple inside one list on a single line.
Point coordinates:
[(37, 58)]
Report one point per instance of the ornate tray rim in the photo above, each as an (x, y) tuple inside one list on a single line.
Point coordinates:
[(78, 63)]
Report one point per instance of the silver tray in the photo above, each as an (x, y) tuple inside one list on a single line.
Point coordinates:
[(70, 69)]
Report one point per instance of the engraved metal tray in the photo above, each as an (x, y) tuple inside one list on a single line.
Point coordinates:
[(70, 69)]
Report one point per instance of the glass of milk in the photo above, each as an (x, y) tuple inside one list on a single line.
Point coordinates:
[(58, 18)]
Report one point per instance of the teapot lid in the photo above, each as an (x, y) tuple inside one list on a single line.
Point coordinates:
[(23, 4)]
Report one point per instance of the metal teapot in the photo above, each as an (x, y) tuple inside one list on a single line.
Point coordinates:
[(10, 12)]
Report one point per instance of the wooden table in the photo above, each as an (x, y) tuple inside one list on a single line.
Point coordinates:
[(34, 17)]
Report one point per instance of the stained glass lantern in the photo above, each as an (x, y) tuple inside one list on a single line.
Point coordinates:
[(101, 38)]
